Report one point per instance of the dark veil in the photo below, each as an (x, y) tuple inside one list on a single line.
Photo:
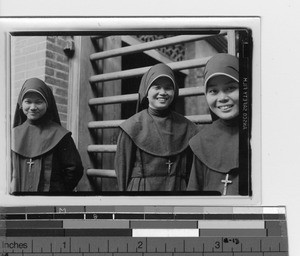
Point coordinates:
[(38, 86), (158, 70)]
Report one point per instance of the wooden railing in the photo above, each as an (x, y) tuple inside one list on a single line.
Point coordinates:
[(176, 66)]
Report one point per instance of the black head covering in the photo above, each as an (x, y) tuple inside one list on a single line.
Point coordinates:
[(221, 64), (156, 71), (158, 132), (34, 138), (217, 145), (38, 86)]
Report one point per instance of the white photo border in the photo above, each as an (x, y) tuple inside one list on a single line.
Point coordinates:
[(38, 25)]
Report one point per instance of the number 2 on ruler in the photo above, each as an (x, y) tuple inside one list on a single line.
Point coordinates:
[(140, 245)]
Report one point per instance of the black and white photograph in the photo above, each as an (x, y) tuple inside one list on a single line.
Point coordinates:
[(87, 67), (154, 113), (127, 111)]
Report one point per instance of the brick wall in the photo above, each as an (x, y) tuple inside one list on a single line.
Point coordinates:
[(27, 60), (57, 73), (41, 57)]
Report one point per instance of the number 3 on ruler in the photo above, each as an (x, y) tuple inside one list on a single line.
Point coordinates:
[(217, 245)]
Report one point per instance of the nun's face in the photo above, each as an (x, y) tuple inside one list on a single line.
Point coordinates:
[(34, 106), (222, 95), (161, 93)]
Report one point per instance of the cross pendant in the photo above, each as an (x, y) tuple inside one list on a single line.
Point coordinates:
[(169, 163), (30, 164), (226, 181)]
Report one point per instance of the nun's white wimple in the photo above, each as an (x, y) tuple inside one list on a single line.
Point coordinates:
[(218, 74), (162, 75), (34, 90)]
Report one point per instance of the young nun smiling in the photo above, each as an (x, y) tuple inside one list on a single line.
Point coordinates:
[(44, 156), (216, 146), (153, 151)]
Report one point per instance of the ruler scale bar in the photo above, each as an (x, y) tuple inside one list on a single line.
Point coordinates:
[(143, 230), (92, 244), (155, 254), (96, 224), (164, 224), (147, 209), (107, 223), (142, 216)]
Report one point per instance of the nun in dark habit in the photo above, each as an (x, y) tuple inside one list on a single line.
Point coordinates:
[(216, 146), (152, 150), (44, 156)]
